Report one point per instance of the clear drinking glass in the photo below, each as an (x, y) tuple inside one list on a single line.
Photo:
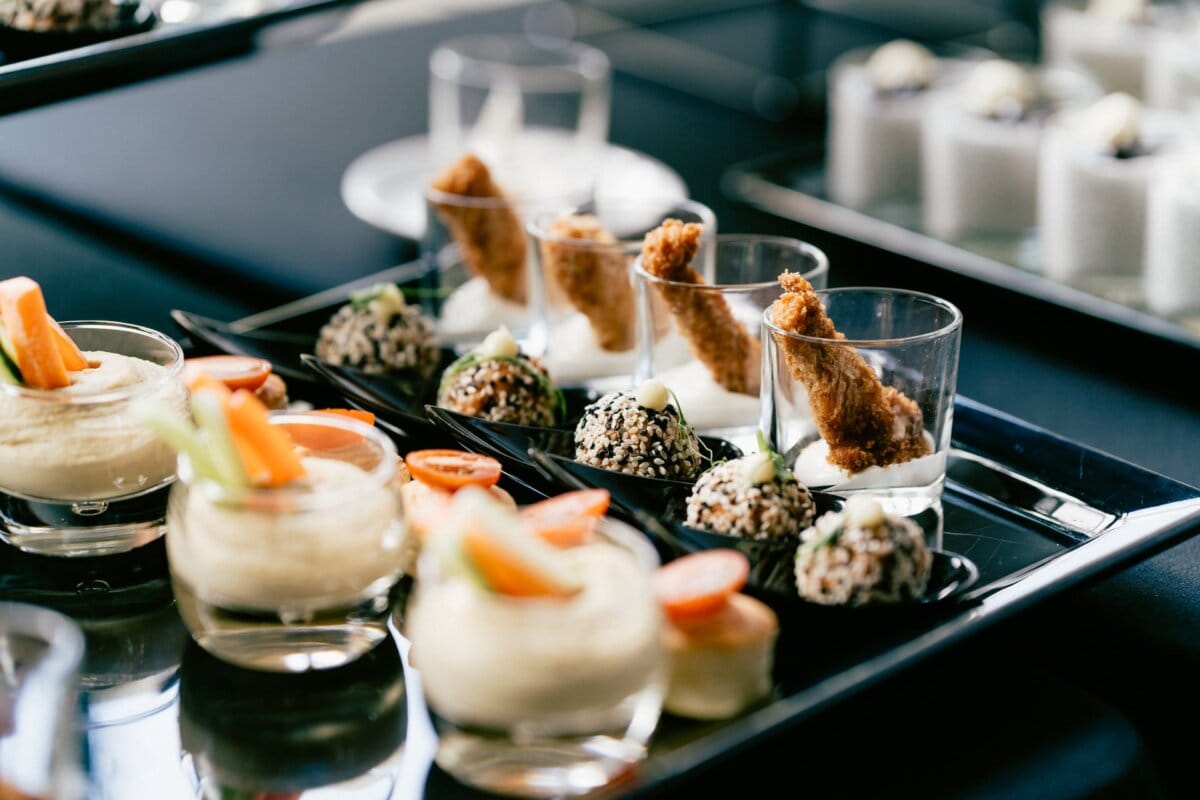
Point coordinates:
[(537, 114), (40, 653), (716, 383), (817, 389), (542, 697), (79, 476), (589, 309), (479, 272), (296, 578)]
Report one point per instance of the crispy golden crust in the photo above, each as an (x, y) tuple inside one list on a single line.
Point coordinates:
[(864, 423), (717, 339), (594, 280), (492, 239)]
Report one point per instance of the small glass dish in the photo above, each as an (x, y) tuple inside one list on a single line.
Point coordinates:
[(479, 269), (544, 697), (297, 578), (79, 476), (40, 654), (827, 397), (584, 255), (679, 345)]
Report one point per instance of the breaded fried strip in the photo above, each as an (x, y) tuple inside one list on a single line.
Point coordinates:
[(594, 279), (492, 238), (717, 339), (865, 423)]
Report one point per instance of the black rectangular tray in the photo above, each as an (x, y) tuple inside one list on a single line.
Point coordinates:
[(1038, 514), (792, 185)]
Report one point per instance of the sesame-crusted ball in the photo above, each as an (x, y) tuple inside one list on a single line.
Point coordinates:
[(732, 500), (379, 333), (856, 558), (514, 389), (618, 434)]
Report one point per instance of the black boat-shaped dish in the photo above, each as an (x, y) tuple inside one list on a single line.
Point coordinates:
[(659, 506)]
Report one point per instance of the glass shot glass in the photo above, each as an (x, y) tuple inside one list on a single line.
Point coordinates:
[(583, 257), (40, 654), (537, 112), (296, 578), (79, 476), (479, 271), (702, 339), (830, 406), (541, 697)]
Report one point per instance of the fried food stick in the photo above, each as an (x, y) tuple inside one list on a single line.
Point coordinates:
[(491, 237), (717, 339), (865, 423), (594, 279)]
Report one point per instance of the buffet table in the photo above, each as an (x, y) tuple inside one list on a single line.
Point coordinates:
[(216, 190)]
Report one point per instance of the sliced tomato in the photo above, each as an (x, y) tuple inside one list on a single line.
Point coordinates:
[(452, 469), (700, 583), (236, 372), (568, 519)]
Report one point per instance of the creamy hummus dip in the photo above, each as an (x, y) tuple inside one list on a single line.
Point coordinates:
[(63, 445), (496, 662), (300, 562)]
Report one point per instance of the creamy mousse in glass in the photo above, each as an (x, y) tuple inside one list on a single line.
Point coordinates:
[(542, 695), (78, 473), (298, 577)]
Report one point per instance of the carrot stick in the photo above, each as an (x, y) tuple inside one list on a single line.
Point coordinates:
[(32, 335), (505, 572), (72, 356), (250, 422)]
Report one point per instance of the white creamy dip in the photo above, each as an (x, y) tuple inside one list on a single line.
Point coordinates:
[(812, 468), (706, 404), (498, 662), (574, 355), (473, 309), (327, 557), (80, 450)]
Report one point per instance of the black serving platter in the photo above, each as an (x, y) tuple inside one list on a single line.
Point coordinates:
[(792, 185), (1037, 514)]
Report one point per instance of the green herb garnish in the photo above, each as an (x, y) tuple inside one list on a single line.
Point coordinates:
[(781, 467), (705, 451), (362, 298), (828, 535)]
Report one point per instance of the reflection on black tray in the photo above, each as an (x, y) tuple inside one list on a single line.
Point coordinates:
[(792, 185), (258, 732)]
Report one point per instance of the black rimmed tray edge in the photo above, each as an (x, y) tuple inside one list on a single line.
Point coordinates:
[(748, 182), (1140, 536), (1131, 537)]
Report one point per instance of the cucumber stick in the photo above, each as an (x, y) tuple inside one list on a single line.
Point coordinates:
[(168, 425), (214, 428), (9, 372)]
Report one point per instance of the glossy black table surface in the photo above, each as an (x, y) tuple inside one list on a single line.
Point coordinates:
[(216, 190)]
